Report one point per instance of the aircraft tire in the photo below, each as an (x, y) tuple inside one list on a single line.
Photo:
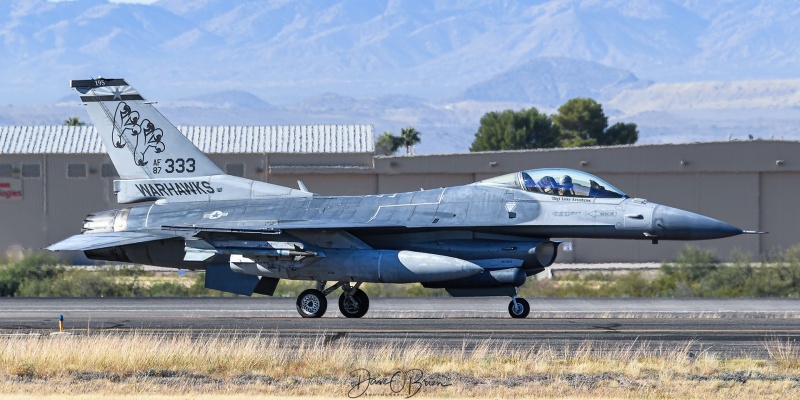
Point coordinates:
[(521, 311), (311, 304), (355, 306)]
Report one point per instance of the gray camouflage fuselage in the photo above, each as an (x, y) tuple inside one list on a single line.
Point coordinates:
[(419, 220), (474, 240)]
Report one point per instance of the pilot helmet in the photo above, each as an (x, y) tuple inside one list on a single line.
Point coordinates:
[(565, 182), (528, 181)]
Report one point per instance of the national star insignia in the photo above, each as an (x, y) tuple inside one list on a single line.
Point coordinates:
[(117, 93), (215, 215)]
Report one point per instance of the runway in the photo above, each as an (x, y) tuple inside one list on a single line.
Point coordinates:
[(729, 327)]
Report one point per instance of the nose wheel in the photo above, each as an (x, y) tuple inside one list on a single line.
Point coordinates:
[(519, 308), (354, 304)]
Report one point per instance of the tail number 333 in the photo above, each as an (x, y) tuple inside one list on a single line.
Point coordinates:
[(179, 165)]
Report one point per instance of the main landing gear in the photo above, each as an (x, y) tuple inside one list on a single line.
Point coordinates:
[(312, 303), (353, 302)]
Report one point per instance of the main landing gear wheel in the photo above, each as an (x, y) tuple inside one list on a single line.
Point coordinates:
[(311, 303), (354, 305), (519, 308)]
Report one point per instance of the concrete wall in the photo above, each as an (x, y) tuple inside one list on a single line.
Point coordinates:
[(752, 185), (53, 205)]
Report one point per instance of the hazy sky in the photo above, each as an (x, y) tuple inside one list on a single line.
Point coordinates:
[(121, 1)]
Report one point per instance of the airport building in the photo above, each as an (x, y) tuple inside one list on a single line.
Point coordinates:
[(51, 177)]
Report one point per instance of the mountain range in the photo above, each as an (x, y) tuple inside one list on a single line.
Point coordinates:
[(683, 70)]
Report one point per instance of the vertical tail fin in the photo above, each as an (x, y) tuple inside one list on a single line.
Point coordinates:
[(139, 140), (153, 158)]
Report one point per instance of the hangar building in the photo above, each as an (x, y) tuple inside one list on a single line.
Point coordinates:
[(52, 176)]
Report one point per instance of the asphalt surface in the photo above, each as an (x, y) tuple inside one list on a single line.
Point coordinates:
[(729, 327)]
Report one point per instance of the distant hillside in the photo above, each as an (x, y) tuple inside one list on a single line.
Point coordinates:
[(775, 94), (233, 99), (287, 51), (682, 69), (551, 81)]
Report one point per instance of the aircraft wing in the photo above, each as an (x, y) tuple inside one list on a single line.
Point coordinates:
[(94, 241)]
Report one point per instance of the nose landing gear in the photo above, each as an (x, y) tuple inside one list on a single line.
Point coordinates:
[(518, 307)]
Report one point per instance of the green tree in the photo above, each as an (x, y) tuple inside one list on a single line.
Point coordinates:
[(388, 144), (620, 133), (583, 123), (515, 130), (409, 137), (32, 267), (74, 121)]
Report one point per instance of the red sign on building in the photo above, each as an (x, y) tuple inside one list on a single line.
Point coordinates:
[(10, 189)]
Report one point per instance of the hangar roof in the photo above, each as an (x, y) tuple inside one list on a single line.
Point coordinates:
[(60, 139)]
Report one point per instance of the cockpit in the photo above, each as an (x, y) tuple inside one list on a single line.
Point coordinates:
[(558, 182)]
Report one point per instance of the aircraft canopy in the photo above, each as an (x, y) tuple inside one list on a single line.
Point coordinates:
[(558, 182)]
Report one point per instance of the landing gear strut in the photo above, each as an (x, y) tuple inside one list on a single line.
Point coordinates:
[(353, 302), (518, 307)]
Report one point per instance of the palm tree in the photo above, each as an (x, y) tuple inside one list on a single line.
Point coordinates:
[(409, 137), (74, 121)]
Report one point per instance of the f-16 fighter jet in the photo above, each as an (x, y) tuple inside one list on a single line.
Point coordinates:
[(481, 239)]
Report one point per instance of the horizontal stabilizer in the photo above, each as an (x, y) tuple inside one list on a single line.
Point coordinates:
[(94, 241)]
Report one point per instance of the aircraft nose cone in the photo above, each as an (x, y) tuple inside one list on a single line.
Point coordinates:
[(673, 223)]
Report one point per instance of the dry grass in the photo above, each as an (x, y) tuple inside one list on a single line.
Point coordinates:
[(235, 367), (784, 352)]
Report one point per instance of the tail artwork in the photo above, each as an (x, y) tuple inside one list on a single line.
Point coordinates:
[(153, 158)]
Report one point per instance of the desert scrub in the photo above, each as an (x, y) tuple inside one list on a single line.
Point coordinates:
[(39, 275), (694, 273), (183, 366)]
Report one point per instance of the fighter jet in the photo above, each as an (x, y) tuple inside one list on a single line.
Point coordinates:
[(481, 239)]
